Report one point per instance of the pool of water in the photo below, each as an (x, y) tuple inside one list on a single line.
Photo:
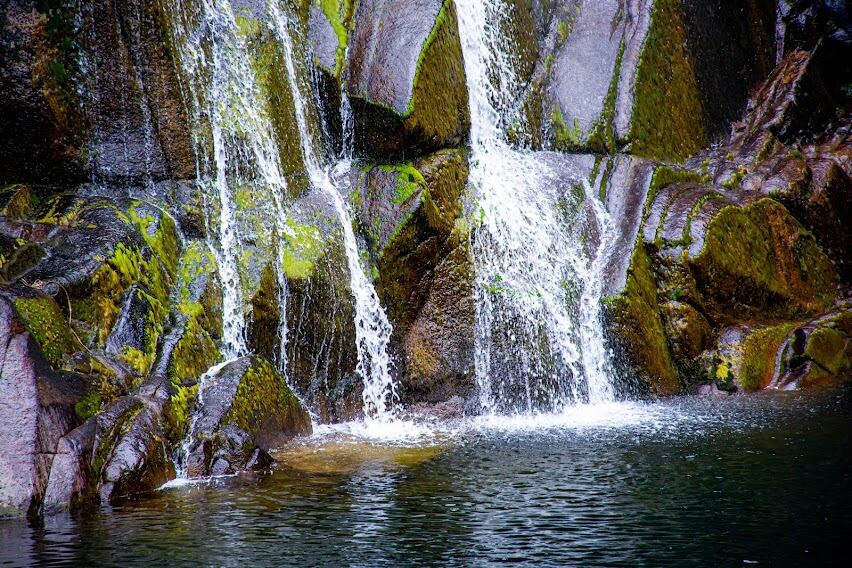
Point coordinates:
[(753, 479)]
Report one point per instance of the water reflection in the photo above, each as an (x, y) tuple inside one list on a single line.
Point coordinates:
[(760, 478)]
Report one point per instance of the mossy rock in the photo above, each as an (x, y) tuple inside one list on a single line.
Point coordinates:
[(637, 323), (438, 346), (264, 333), (760, 259), (49, 326), (329, 22), (687, 329), (41, 110), (200, 311), (248, 400), (829, 348), (406, 77), (304, 245), (17, 256), (321, 352), (651, 78), (746, 358)]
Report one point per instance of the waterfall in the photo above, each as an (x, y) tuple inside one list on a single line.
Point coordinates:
[(236, 149), (539, 339), (234, 140), (372, 328)]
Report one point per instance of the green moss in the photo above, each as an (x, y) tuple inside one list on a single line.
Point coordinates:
[(640, 326), (438, 107), (178, 411), (107, 441), (408, 181), (601, 136), (759, 256), (49, 327), (304, 245), (101, 393), (759, 352), (827, 346), (563, 30), (194, 353), (446, 174), (736, 178), (667, 111), (567, 139), (262, 394), (338, 13), (247, 27)]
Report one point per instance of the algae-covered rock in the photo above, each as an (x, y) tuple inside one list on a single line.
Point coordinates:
[(119, 453), (41, 116), (816, 351), (439, 346), (783, 356), (648, 74), (248, 401), (198, 315), (406, 77), (410, 214), (746, 357), (759, 259), (636, 322)]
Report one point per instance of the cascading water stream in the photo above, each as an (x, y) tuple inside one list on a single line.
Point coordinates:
[(236, 148), (539, 341), (372, 328), (227, 131)]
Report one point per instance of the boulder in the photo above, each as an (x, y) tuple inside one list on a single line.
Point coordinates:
[(36, 410), (759, 259), (119, 453), (243, 405), (405, 77), (648, 74)]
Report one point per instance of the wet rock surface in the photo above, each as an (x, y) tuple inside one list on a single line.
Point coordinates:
[(406, 77), (243, 406)]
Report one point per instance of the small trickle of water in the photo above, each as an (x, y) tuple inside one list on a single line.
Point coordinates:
[(539, 339), (372, 328)]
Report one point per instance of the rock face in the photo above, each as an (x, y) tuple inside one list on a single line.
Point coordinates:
[(89, 90), (747, 243), (412, 216), (36, 409), (730, 270), (406, 77), (647, 75)]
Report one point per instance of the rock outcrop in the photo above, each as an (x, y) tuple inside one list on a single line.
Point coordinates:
[(245, 408)]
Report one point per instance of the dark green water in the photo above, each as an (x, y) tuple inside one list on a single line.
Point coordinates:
[(759, 479)]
